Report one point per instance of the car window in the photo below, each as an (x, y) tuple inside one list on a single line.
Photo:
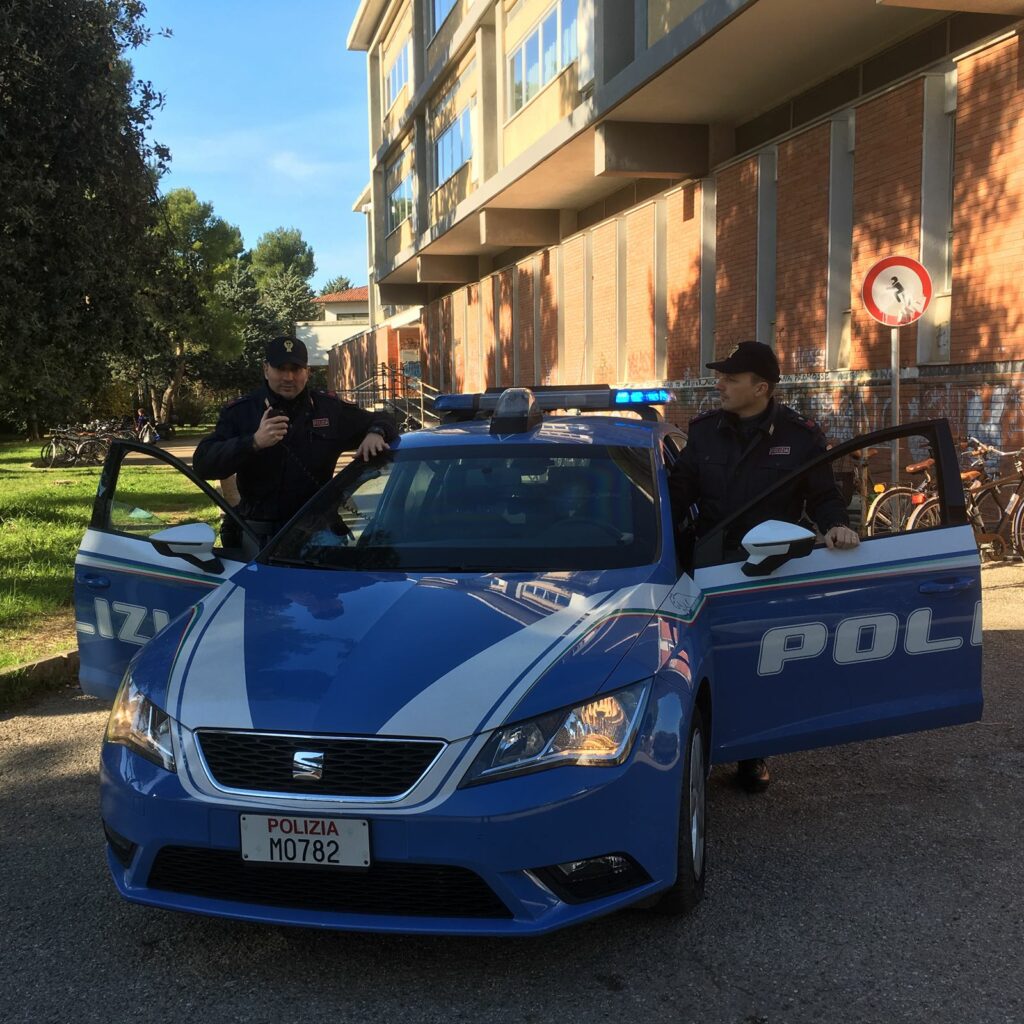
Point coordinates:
[(517, 507), (876, 503), (146, 502)]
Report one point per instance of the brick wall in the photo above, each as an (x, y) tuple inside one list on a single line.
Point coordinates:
[(604, 366), (474, 370), (505, 352), (988, 221), (490, 341), (682, 244), (574, 296), (640, 294), (801, 251), (886, 210), (736, 260), (547, 282), (524, 325)]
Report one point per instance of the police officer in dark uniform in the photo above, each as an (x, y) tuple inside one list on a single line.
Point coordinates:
[(739, 450), (283, 440)]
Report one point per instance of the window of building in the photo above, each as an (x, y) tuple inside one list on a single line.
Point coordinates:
[(440, 10), (547, 48), (399, 207), (454, 146), (397, 76)]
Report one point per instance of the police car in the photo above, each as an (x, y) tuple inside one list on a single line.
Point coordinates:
[(477, 685)]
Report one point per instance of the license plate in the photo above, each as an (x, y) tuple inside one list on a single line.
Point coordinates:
[(290, 839)]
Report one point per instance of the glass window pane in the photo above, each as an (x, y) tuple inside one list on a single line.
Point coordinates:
[(441, 11), (549, 45), (515, 76), (532, 66), (570, 50)]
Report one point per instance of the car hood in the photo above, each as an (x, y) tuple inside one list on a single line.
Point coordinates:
[(297, 650)]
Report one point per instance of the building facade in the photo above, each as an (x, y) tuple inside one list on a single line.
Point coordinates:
[(570, 191)]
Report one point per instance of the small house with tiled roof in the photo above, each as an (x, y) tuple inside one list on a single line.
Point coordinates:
[(346, 314)]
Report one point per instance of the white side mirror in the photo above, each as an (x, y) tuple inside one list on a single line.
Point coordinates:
[(774, 543), (191, 541)]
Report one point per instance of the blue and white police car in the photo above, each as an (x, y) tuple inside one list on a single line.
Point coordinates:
[(477, 684)]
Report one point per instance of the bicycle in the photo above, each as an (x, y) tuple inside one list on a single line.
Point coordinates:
[(993, 506), (891, 510)]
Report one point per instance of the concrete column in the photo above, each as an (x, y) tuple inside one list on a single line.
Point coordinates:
[(373, 97), (840, 241), (767, 167), (380, 202), (420, 180), (708, 250), (487, 121), (417, 72)]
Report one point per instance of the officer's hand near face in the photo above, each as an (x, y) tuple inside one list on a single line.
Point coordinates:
[(841, 537), (272, 428), (373, 444)]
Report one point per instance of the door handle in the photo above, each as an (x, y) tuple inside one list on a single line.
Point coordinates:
[(93, 581), (953, 586)]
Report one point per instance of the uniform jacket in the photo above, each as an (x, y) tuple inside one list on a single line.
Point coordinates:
[(720, 473), (274, 483)]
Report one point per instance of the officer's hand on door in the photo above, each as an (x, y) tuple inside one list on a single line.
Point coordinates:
[(841, 537)]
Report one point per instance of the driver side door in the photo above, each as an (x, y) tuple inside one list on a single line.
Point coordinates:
[(132, 576)]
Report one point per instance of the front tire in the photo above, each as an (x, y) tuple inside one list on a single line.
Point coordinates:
[(688, 889)]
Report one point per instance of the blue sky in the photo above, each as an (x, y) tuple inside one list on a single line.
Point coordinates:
[(265, 117)]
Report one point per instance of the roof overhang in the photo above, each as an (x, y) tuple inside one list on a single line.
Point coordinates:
[(364, 24)]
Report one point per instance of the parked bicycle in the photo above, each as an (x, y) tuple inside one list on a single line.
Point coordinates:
[(994, 506)]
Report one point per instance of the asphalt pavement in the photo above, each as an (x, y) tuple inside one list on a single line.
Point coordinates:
[(879, 882)]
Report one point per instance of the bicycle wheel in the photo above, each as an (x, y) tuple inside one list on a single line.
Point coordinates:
[(991, 525), (1017, 528), (889, 512), (925, 516), (91, 452), (48, 454)]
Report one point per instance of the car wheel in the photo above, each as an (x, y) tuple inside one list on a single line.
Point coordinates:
[(688, 889)]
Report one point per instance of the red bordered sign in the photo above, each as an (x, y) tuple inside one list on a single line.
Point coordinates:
[(897, 291)]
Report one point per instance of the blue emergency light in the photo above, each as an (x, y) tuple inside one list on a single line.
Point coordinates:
[(499, 402)]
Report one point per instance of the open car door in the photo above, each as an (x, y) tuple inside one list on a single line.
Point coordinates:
[(813, 647), (150, 553)]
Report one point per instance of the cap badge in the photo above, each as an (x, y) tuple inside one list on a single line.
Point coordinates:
[(734, 351), (289, 345)]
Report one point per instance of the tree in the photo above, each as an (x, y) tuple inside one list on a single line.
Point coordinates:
[(198, 251), (336, 284), (286, 297), (77, 183), (281, 250)]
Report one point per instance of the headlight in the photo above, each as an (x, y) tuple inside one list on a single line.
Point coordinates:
[(138, 723), (600, 732)]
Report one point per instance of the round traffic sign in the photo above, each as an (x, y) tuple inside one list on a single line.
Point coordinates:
[(897, 291)]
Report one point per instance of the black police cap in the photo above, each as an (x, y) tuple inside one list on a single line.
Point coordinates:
[(287, 350), (750, 357)]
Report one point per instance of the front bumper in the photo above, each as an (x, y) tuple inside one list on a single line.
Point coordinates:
[(464, 865)]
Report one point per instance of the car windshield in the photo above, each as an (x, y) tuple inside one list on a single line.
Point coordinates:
[(481, 509)]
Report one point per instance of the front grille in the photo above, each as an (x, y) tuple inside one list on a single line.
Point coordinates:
[(414, 890), (351, 766)]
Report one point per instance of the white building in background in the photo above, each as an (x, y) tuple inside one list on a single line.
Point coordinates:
[(346, 314)]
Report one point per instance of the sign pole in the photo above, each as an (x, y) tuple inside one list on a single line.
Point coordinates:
[(894, 338)]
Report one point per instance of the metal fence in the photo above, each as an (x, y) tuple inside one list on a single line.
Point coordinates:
[(407, 398)]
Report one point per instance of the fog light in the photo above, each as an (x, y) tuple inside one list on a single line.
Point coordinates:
[(576, 881), (124, 849)]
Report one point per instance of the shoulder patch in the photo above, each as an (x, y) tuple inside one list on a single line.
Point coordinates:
[(327, 394), (235, 401), (795, 417)]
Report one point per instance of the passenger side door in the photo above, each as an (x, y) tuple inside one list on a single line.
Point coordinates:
[(831, 646)]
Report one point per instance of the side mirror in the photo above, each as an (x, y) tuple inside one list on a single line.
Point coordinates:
[(192, 542), (774, 543)]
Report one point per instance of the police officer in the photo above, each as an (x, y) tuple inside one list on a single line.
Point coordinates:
[(739, 450), (283, 440)]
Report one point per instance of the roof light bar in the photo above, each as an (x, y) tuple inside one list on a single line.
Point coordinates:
[(586, 398)]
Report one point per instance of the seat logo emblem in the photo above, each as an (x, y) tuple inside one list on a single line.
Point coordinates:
[(308, 764), (289, 345)]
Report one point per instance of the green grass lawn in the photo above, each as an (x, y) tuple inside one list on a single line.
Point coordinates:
[(43, 514)]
